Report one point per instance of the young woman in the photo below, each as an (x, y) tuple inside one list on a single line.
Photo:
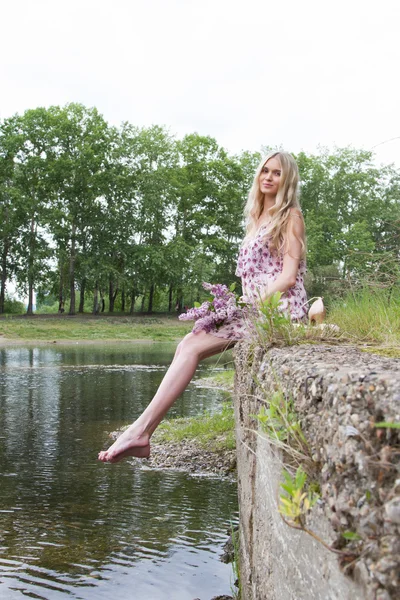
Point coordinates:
[(271, 259)]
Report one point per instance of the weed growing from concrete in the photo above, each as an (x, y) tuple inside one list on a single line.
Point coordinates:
[(388, 425), (281, 424), (294, 501)]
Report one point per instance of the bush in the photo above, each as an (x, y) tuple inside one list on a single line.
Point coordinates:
[(47, 309), (14, 307)]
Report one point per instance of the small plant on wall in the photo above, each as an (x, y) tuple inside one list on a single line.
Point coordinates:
[(280, 423), (294, 501)]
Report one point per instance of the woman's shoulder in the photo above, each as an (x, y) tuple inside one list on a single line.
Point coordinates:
[(295, 212), (295, 223)]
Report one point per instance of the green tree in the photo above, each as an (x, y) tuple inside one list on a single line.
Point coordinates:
[(80, 151), (156, 159), (210, 191), (11, 211), (31, 193), (350, 207)]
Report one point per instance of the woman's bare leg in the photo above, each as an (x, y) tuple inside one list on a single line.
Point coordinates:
[(135, 441)]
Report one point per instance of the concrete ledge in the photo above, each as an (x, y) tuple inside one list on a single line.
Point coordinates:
[(339, 393)]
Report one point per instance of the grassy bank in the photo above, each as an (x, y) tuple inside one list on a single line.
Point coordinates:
[(91, 328), (221, 379), (369, 317), (215, 432)]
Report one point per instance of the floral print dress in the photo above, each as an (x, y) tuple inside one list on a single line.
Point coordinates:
[(258, 267)]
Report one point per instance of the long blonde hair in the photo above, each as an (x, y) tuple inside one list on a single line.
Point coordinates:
[(287, 198)]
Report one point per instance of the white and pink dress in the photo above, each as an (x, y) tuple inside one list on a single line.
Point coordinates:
[(258, 267)]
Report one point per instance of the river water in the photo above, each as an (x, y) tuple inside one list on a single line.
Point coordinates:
[(71, 526)]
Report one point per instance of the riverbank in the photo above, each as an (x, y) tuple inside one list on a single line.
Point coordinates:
[(52, 329), (192, 458), (201, 445), (39, 330)]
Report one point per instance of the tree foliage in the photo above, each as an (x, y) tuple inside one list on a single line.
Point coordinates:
[(125, 213)]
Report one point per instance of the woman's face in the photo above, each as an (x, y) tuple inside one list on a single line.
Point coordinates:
[(270, 177)]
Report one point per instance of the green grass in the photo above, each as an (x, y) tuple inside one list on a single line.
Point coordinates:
[(369, 317), (122, 328), (223, 379), (389, 351), (213, 431)]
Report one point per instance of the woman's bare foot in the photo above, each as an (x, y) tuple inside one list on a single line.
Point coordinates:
[(129, 443)]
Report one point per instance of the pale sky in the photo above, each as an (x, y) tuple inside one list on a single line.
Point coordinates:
[(295, 74)]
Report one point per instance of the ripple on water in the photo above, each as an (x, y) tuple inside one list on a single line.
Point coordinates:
[(70, 526)]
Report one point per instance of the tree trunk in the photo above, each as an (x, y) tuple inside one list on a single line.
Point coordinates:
[(29, 310), (123, 300), (3, 277), (143, 299), (61, 287), (179, 301), (112, 294), (96, 299), (170, 298), (103, 304), (151, 297), (132, 308), (4, 265), (72, 272), (82, 298)]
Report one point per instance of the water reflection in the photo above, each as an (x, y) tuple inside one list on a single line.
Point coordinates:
[(71, 525)]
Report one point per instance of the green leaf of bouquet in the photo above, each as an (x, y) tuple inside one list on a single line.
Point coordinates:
[(197, 304)]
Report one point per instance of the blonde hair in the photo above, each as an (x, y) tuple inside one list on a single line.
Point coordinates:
[(287, 199)]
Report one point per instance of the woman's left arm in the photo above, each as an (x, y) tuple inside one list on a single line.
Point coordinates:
[(291, 259)]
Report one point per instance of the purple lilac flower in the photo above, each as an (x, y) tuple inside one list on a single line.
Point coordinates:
[(218, 290), (206, 324), (211, 315), (218, 303), (196, 313)]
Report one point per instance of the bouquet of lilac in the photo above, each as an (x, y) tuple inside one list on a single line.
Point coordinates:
[(213, 313)]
